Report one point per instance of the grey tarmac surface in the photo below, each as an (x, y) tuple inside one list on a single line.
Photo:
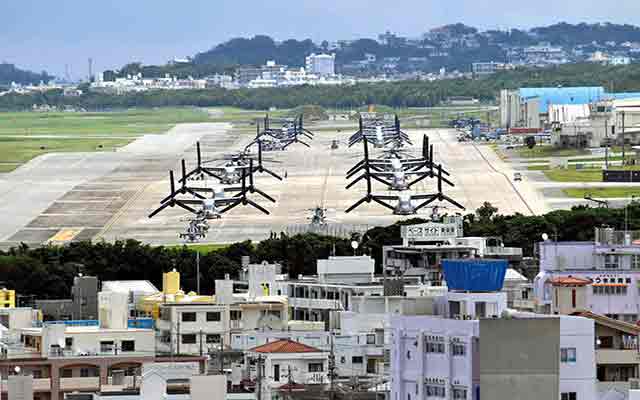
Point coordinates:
[(316, 177), (72, 196)]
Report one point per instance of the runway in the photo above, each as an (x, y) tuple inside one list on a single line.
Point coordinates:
[(107, 196)]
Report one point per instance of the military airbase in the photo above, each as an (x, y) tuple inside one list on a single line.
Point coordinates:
[(62, 197)]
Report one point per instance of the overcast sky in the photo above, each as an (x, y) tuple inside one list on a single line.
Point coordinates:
[(39, 34)]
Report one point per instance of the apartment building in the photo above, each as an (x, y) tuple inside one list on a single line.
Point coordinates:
[(606, 274)]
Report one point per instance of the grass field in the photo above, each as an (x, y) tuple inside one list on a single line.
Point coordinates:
[(26, 135), (606, 193), (584, 175), (549, 151)]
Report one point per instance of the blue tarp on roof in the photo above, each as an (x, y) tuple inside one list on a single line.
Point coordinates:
[(475, 275), (563, 95)]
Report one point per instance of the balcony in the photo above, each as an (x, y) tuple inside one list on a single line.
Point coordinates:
[(503, 251), (524, 304), (39, 385), (612, 356), (79, 384), (319, 304)]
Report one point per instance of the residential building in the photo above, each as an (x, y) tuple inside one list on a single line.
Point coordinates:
[(285, 362), (82, 305), (321, 64), (606, 272), (481, 69)]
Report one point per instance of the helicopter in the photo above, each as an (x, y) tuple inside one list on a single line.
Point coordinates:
[(395, 172), (380, 132), (217, 204), (196, 230)]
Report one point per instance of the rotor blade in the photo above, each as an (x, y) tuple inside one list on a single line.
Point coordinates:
[(268, 171), (263, 194), (231, 206), (383, 181), (172, 182), (359, 164), (184, 173), (350, 185), (419, 179), (358, 204), (194, 193), (301, 142), (426, 203), (184, 206), (162, 207), (259, 207), (382, 203), (452, 201), (199, 154)]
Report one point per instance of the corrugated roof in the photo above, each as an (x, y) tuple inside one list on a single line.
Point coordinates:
[(563, 95), (285, 346)]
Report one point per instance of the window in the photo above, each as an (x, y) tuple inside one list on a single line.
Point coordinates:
[(459, 394), (68, 342), (213, 317), (458, 349), (189, 339), (435, 347), (635, 262), (609, 290), (343, 360), (213, 338), (525, 295), (371, 339), (316, 367), (236, 315), (67, 373), (276, 372), (188, 317), (356, 360), (435, 391), (37, 374), (611, 261), (408, 354), (84, 372), (128, 345), (568, 355), (569, 396), (106, 346)]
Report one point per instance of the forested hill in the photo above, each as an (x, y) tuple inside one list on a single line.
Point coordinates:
[(9, 73)]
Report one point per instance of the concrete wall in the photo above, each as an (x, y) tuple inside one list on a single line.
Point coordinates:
[(346, 269), (519, 359), (578, 376), (412, 365)]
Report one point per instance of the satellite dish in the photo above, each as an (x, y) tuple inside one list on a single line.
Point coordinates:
[(354, 245), (545, 237), (17, 369)]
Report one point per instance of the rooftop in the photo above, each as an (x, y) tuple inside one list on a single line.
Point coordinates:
[(285, 346)]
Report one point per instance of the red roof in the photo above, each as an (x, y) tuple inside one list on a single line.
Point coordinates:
[(285, 346), (569, 281)]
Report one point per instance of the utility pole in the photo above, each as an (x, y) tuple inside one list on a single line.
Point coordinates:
[(178, 335), (198, 272), (332, 368), (260, 367), (623, 138)]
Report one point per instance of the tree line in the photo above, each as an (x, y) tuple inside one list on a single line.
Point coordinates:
[(47, 272), (392, 94)]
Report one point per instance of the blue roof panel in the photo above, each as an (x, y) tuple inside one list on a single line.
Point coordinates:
[(563, 95)]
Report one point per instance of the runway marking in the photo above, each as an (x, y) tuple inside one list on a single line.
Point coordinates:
[(65, 235)]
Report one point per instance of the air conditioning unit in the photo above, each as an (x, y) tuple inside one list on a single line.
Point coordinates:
[(468, 317), (457, 317)]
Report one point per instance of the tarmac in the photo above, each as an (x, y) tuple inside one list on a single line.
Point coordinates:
[(107, 196)]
